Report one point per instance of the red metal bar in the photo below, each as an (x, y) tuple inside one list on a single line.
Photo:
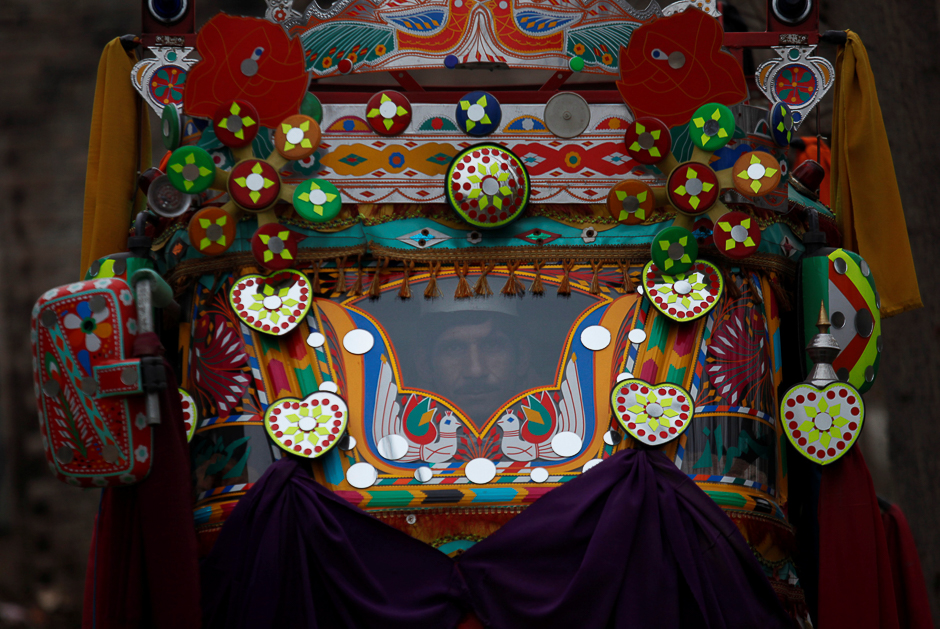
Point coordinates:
[(406, 80), (767, 40)]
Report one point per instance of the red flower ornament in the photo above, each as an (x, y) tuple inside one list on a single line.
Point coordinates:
[(674, 65), (246, 59)]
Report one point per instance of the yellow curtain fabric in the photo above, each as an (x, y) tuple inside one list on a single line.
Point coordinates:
[(120, 134), (865, 191)]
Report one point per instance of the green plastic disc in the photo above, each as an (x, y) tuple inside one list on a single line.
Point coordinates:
[(311, 107), (170, 126), (674, 250), (576, 64), (190, 169), (317, 200), (711, 127)]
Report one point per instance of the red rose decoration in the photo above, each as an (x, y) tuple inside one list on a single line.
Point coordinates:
[(674, 65), (246, 59)]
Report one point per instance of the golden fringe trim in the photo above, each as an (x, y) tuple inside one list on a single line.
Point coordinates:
[(734, 292), (483, 286), (432, 290), (564, 287), (596, 266), (513, 286), (537, 288), (463, 287), (405, 291), (356, 290), (375, 289), (340, 275), (783, 298)]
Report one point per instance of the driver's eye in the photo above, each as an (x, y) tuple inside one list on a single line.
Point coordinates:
[(451, 348)]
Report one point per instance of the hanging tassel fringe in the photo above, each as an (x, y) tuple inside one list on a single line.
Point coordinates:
[(375, 289), (628, 286), (783, 299), (356, 290), (432, 291), (405, 291), (752, 289), (564, 288), (316, 278), (513, 286), (731, 286), (341, 275), (537, 288), (596, 266), (463, 287), (483, 286)]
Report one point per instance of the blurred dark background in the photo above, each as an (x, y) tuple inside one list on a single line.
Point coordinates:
[(49, 52)]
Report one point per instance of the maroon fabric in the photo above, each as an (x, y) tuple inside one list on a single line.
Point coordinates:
[(910, 590), (855, 587), (143, 569)]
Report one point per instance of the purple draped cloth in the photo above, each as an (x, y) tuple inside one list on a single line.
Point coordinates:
[(632, 543)]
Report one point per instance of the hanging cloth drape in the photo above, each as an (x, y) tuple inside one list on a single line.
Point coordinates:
[(864, 188), (119, 143)]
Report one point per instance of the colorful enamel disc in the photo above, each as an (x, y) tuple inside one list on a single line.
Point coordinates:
[(297, 137), (781, 124), (212, 231), (653, 415), (489, 185), (822, 425), (190, 169), (236, 124), (388, 112), (737, 235), (478, 113), (756, 173), (648, 140), (170, 127), (712, 126), (317, 200), (308, 427), (684, 296), (630, 202), (674, 250), (254, 185), (692, 188), (190, 413), (275, 246), (275, 304)]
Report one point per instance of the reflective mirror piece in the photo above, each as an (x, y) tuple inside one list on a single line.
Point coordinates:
[(358, 341), (329, 386), (315, 339), (567, 114), (566, 444), (612, 437), (480, 471), (635, 336), (591, 464), (423, 474), (538, 475), (626, 374), (347, 442), (595, 337), (361, 475), (393, 447)]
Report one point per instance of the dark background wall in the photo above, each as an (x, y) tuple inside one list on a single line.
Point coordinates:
[(49, 52)]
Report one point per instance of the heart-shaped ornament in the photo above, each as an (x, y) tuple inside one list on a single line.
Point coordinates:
[(308, 427), (274, 304), (684, 296), (652, 414), (190, 413), (822, 424)]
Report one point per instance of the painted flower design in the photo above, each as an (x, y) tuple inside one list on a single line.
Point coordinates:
[(219, 363), (92, 325), (488, 182), (476, 112), (683, 293), (756, 172), (702, 125), (639, 211), (387, 110), (272, 303), (317, 196), (132, 326), (255, 182), (795, 85), (126, 298), (141, 453), (653, 410), (243, 122), (282, 251)]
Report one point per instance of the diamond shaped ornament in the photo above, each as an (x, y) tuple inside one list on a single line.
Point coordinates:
[(275, 304)]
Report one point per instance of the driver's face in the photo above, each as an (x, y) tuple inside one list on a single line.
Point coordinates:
[(477, 366)]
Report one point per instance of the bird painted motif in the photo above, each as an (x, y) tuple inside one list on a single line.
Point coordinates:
[(429, 441), (530, 439)]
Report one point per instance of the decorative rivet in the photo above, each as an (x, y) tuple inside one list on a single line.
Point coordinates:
[(129, 376), (89, 385), (48, 318)]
